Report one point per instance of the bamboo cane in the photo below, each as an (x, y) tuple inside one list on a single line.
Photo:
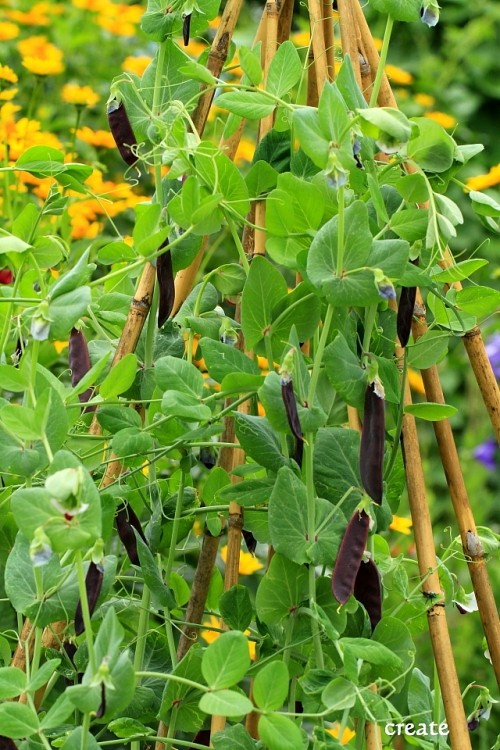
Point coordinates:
[(312, 81), (318, 42), (329, 39), (473, 340), (463, 512), (436, 616), (349, 36)]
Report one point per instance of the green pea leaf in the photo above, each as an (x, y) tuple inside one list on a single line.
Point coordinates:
[(225, 661), (430, 411)]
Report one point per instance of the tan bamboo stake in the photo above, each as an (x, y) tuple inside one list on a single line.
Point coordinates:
[(329, 39), (312, 81), (318, 42), (473, 340), (285, 20), (472, 548), (349, 36), (386, 97), (427, 562)]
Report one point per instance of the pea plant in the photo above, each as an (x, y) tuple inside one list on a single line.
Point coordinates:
[(264, 397)]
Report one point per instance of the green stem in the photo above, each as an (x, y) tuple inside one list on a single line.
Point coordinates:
[(318, 355), (175, 528), (241, 251), (340, 230), (85, 731), (383, 59), (174, 678), (399, 422), (311, 521), (162, 50), (269, 352), (89, 636), (371, 314), (151, 330)]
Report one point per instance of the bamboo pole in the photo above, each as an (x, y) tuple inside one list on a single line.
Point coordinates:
[(473, 340), (463, 512), (349, 36), (318, 42), (329, 38), (427, 562)]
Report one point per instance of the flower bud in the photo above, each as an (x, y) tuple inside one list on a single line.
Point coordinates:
[(429, 12), (40, 549)]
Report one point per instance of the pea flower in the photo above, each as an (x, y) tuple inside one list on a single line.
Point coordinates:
[(40, 549), (429, 12), (40, 322), (493, 352), (384, 285), (486, 453)]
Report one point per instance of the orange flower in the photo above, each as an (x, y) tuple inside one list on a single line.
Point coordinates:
[(415, 381), (248, 563), (136, 64), (398, 75), (40, 56), (484, 181), (446, 121), (7, 74), (210, 635), (245, 151), (195, 48), (82, 96), (97, 138), (347, 734), (425, 100), (17, 136), (301, 38), (118, 18), (403, 525), (8, 31)]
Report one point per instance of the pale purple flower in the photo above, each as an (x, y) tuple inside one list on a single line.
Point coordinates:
[(486, 453), (493, 352), (429, 13)]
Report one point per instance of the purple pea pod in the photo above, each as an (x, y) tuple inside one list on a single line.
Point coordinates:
[(102, 706), (126, 521), (250, 541), (79, 364), (405, 313), (122, 132), (166, 288), (368, 592), (93, 586), (7, 744), (350, 556), (290, 402), (186, 28), (371, 456)]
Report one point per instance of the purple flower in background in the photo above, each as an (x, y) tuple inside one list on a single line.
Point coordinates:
[(486, 453), (429, 12), (493, 352)]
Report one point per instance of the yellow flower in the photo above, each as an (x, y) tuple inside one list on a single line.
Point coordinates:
[(214, 23), (245, 151), (118, 18), (211, 635), (398, 75), (347, 734), (40, 56), (59, 346), (36, 16), (97, 138), (403, 525), (136, 64), (446, 121), (301, 38), (8, 31), (83, 96), (195, 48), (17, 136), (378, 43), (425, 100), (6, 96), (484, 181), (248, 563), (7, 74), (415, 381)]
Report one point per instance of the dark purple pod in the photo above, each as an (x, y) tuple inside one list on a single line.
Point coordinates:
[(250, 541), (405, 313), (186, 28), (102, 706), (93, 586), (350, 556), (166, 287), (290, 402), (371, 455), (203, 737), (7, 744), (79, 364), (122, 132), (126, 521), (368, 592)]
